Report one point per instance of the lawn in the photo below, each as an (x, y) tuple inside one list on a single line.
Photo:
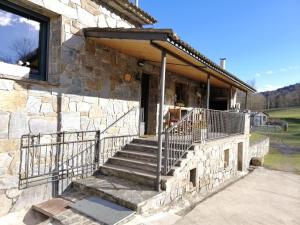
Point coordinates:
[(285, 146)]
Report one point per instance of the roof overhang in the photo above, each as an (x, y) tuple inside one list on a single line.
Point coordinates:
[(182, 59), (129, 11)]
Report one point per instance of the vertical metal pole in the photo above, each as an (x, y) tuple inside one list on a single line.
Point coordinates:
[(160, 120), (208, 91), (246, 100)]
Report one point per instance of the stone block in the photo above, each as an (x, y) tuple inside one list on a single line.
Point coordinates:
[(9, 145), (12, 101), (18, 125), (102, 21), (111, 22), (46, 108), (13, 193), (42, 126), (92, 100), (5, 205), (6, 85), (86, 18), (83, 107), (60, 8), (95, 112), (33, 104), (9, 182), (73, 106), (4, 121), (74, 42), (5, 160), (70, 121)]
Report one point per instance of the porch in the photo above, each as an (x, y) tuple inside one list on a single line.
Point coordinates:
[(163, 48)]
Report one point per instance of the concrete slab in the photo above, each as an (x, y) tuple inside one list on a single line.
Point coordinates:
[(103, 211), (264, 197)]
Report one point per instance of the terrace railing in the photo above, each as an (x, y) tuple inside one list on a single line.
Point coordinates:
[(199, 125)]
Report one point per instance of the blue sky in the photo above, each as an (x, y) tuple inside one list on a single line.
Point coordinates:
[(259, 38)]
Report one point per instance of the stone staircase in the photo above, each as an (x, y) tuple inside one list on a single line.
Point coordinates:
[(136, 162), (127, 179)]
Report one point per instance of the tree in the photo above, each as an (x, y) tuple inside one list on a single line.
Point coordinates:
[(24, 49)]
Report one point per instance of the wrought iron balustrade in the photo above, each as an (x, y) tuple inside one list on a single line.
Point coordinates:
[(63, 156), (196, 126)]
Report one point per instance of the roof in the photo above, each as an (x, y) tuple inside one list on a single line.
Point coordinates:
[(167, 39), (130, 11)]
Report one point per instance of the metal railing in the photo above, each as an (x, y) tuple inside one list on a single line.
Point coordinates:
[(199, 125), (52, 157), (61, 157)]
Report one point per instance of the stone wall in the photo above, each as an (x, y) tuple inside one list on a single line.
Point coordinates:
[(259, 149), (85, 90), (207, 161)]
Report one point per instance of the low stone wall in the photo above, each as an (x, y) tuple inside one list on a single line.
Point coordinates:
[(204, 169), (259, 149)]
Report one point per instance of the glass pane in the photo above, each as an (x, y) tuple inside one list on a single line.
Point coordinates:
[(19, 42)]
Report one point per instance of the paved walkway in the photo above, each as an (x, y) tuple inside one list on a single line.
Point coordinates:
[(263, 197)]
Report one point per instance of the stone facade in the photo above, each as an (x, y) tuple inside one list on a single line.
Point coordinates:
[(85, 90)]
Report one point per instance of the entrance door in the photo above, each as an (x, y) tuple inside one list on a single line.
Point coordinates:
[(240, 157), (145, 100)]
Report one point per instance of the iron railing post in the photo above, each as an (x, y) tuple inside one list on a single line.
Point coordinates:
[(97, 150)]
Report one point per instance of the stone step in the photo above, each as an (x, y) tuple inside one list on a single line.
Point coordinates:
[(144, 141), (141, 148), (148, 157), (120, 191), (135, 175), (134, 163)]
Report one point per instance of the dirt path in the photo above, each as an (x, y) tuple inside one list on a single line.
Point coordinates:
[(285, 149)]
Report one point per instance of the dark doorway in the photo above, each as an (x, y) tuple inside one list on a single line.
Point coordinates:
[(145, 100), (240, 157), (218, 105)]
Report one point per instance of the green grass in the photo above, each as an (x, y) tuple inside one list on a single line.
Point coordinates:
[(256, 137), (291, 138), (284, 162)]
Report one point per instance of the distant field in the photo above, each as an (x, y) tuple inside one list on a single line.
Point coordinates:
[(285, 146)]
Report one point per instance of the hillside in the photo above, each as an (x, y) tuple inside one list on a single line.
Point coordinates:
[(288, 96)]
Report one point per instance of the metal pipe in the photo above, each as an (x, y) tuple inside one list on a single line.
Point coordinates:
[(160, 120)]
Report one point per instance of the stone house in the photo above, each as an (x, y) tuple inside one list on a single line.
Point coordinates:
[(85, 79)]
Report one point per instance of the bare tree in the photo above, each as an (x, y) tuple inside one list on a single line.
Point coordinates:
[(24, 48)]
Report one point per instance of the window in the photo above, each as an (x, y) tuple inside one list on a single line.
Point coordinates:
[(23, 42), (181, 97), (226, 158)]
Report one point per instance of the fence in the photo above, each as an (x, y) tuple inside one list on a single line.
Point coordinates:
[(61, 157), (196, 126)]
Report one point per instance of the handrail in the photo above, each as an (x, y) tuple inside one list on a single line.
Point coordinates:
[(180, 121), (196, 126)]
